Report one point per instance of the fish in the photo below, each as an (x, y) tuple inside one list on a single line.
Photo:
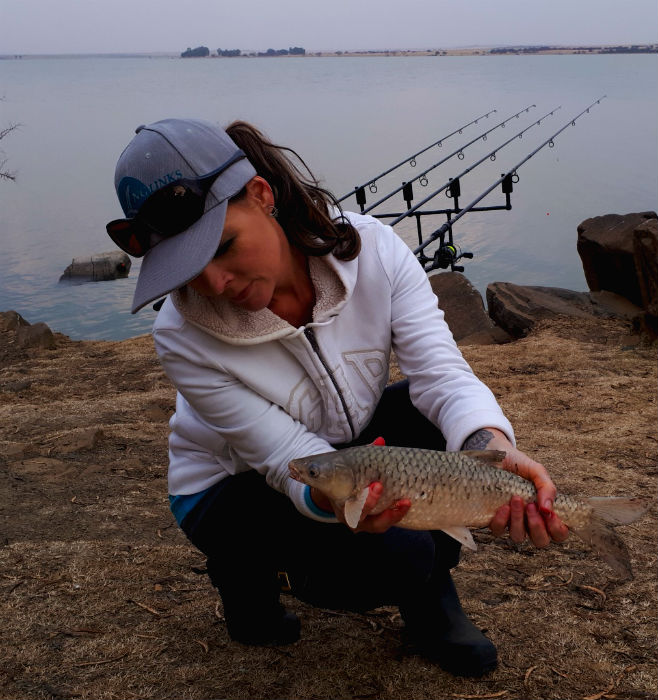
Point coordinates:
[(455, 491)]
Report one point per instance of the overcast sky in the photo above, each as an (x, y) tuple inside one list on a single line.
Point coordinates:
[(126, 26)]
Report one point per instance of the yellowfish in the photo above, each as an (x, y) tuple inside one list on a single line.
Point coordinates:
[(454, 491)]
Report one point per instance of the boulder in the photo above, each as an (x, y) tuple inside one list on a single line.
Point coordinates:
[(517, 308), (37, 335), (11, 320), (606, 248), (21, 334), (464, 311), (645, 254), (98, 268)]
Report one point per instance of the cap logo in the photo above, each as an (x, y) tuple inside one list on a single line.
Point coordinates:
[(133, 192)]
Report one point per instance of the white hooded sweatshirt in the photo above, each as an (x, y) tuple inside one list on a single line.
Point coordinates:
[(254, 392)]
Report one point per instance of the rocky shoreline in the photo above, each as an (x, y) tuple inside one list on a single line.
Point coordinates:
[(619, 254)]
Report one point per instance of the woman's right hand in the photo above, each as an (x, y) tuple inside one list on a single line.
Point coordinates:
[(368, 523)]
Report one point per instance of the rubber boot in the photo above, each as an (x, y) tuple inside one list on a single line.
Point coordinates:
[(276, 627), (437, 628)]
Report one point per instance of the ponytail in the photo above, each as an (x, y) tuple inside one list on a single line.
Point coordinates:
[(305, 208)]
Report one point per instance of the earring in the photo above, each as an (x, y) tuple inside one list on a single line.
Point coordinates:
[(274, 212)]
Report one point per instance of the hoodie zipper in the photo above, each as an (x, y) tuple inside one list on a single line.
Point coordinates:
[(310, 335)]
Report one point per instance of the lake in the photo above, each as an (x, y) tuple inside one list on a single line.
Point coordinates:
[(349, 118)]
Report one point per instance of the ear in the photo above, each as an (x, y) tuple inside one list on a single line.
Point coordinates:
[(260, 193)]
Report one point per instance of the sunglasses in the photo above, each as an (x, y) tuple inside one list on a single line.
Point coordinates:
[(167, 212)]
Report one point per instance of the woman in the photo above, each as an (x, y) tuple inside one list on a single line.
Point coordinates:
[(280, 318)]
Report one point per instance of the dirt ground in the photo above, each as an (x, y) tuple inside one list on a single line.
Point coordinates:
[(102, 596)]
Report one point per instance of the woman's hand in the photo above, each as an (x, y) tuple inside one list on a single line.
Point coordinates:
[(368, 523), (536, 520), (382, 521)]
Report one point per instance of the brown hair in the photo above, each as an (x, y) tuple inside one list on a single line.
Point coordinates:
[(303, 206)]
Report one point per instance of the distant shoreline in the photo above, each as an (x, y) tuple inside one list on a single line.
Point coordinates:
[(583, 50), (506, 51)]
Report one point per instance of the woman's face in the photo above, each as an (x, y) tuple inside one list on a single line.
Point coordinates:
[(253, 258)]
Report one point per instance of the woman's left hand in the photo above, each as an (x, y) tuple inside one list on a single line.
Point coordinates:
[(536, 520)]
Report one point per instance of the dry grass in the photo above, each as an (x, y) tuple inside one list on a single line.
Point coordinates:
[(102, 596)]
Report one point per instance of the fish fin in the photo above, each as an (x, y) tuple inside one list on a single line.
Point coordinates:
[(354, 507), (618, 511), (461, 534), (609, 546), (493, 456), (598, 533)]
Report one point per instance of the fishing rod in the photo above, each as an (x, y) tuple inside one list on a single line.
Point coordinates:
[(446, 254), (422, 177), (372, 183), (452, 187)]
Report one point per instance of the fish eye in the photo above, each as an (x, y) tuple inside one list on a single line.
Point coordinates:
[(313, 471)]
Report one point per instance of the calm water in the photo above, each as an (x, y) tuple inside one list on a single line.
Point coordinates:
[(350, 119)]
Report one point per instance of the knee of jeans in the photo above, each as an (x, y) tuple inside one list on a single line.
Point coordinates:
[(413, 552)]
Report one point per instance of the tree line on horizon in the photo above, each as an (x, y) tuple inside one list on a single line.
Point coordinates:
[(634, 48), (204, 52)]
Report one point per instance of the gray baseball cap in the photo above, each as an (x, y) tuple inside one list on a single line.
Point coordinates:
[(168, 152)]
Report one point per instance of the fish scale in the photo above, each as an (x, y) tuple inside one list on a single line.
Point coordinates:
[(445, 488), (453, 491)]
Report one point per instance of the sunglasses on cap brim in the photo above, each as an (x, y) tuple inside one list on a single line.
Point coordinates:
[(167, 212)]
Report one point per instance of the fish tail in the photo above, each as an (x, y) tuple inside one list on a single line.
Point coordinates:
[(599, 533), (618, 511)]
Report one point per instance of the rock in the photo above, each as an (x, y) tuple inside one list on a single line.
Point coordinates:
[(98, 268), (464, 311), (10, 321), (606, 248), (37, 335), (21, 334), (517, 308), (645, 253)]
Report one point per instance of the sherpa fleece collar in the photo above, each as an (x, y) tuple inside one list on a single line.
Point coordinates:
[(332, 279)]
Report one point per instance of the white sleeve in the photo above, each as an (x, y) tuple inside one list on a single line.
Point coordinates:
[(442, 385), (257, 432)]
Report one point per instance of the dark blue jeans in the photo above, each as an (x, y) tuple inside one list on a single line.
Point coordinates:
[(250, 532)]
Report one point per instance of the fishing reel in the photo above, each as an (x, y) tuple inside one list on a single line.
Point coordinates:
[(446, 255)]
